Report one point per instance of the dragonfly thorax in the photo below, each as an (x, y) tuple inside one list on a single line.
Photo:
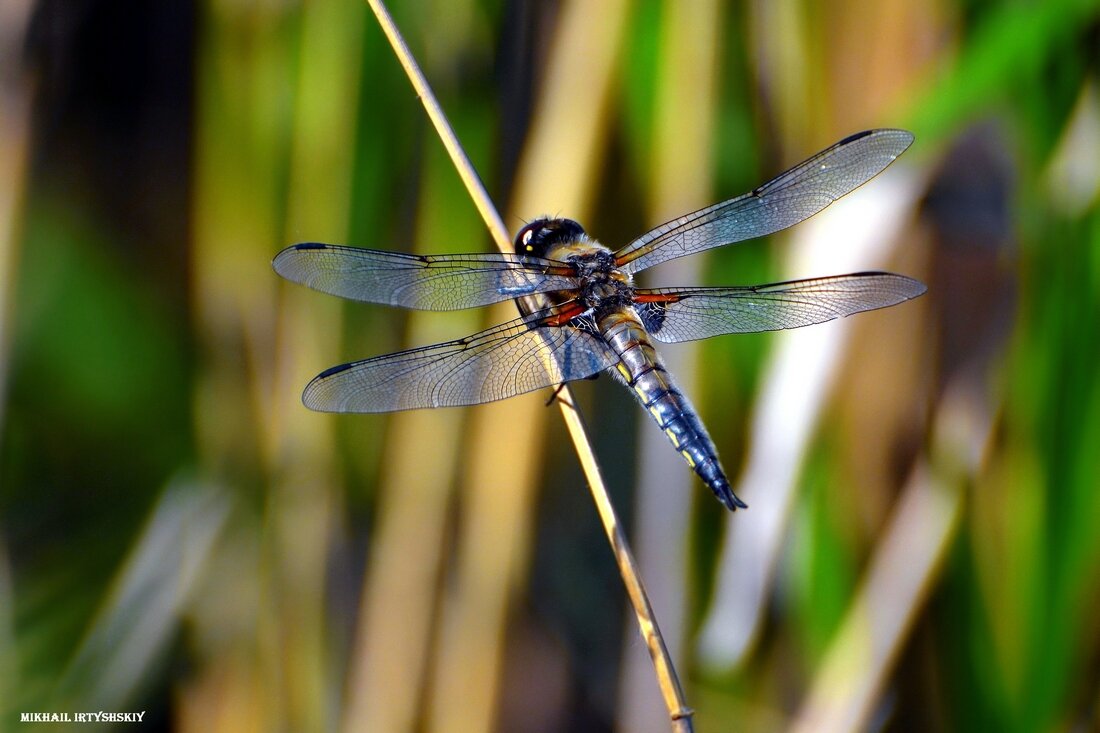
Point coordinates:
[(602, 285), (605, 288)]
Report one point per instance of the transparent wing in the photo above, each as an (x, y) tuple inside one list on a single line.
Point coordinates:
[(520, 356), (435, 282), (784, 201), (672, 315)]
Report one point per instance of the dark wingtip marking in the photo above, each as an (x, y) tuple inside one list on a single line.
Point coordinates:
[(294, 248), (329, 372), (309, 394), (856, 136), (916, 287), (865, 133)]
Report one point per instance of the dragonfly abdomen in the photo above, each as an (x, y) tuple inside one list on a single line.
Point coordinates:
[(642, 370)]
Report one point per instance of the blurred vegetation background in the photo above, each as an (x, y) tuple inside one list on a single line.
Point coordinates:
[(179, 535)]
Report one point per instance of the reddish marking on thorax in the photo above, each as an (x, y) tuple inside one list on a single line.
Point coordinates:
[(564, 315)]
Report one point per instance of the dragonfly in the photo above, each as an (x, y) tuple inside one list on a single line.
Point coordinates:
[(592, 318)]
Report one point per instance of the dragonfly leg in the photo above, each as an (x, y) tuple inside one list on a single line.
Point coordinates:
[(554, 395), (560, 387)]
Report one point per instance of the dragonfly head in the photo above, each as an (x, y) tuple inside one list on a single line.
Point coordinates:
[(538, 237)]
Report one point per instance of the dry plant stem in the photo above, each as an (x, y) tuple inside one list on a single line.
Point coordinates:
[(443, 128), (679, 712)]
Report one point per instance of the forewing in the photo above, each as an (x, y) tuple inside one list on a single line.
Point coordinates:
[(424, 282), (784, 201), (697, 313), (515, 357)]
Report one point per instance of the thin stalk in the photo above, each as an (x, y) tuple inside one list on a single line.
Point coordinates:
[(671, 691)]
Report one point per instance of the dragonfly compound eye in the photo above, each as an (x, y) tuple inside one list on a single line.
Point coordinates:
[(540, 235)]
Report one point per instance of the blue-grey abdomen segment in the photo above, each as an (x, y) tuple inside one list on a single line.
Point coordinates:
[(642, 370)]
